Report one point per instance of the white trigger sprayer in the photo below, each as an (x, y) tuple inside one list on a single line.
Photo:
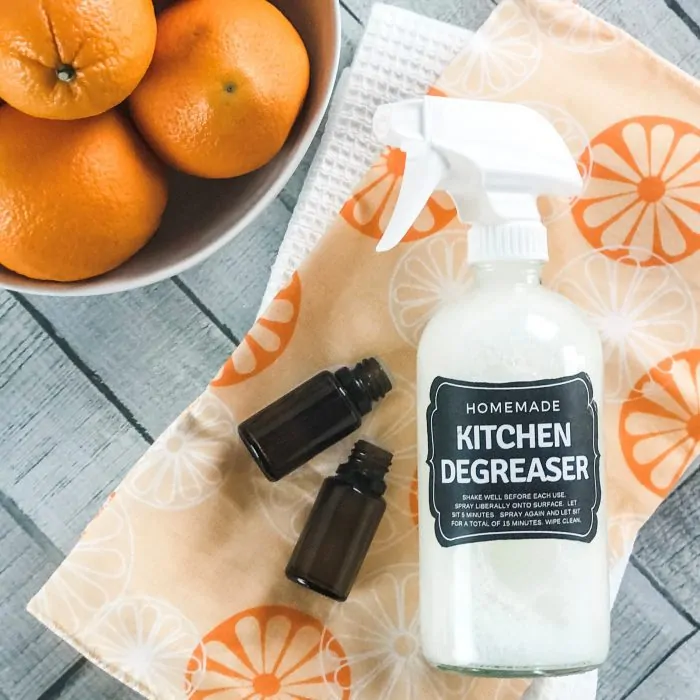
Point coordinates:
[(494, 158)]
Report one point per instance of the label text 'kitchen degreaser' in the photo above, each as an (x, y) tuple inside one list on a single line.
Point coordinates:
[(515, 460)]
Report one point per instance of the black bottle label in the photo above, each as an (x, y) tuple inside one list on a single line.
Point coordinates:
[(513, 461)]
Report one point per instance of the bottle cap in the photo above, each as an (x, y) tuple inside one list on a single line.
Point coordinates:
[(526, 240)]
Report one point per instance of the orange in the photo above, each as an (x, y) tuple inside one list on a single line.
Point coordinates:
[(69, 59), (226, 84), (77, 198)]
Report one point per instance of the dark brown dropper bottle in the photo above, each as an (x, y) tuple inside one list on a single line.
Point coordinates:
[(342, 524), (317, 414)]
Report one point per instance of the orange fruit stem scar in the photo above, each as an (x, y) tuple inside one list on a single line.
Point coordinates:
[(226, 84), (69, 59)]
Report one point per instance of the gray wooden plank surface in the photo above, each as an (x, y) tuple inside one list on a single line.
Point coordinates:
[(31, 658), (689, 11), (668, 546), (64, 445), (645, 629), (87, 682), (467, 13), (153, 347), (232, 282), (676, 678), (656, 25)]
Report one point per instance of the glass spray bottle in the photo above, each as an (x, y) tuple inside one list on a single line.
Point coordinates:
[(513, 545)]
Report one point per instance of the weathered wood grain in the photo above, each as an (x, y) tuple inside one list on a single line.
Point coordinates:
[(656, 26), (64, 446), (676, 678), (668, 546), (90, 683), (153, 347), (232, 282), (466, 13), (31, 657), (645, 629), (689, 12)]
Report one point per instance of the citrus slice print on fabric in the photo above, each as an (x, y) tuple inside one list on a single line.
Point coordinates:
[(267, 339), (643, 314), (96, 572), (572, 27), (576, 139), (431, 274), (370, 207), (379, 628), (151, 642), (644, 190), (660, 422), (271, 652), (498, 58), (392, 426), (185, 465)]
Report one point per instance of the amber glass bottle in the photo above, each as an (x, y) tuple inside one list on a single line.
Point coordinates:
[(342, 524), (312, 417)]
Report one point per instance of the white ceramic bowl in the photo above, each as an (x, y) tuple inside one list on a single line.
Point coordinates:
[(204, 215)]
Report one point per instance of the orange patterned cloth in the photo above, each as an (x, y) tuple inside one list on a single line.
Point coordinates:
[(177, 587)]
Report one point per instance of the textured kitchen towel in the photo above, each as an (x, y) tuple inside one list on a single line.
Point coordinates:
[(401, 54), (177, 586)]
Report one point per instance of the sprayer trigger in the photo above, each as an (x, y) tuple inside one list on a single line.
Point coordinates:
[(424, 171)]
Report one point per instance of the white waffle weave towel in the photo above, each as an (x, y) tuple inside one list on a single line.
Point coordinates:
[(400, 56)]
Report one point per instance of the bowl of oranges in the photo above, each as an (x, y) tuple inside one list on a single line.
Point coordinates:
[(137, 137)]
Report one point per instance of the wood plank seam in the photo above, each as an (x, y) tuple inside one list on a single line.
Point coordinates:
[(54, 690), (352, 14), (659, 663), (283, 200), (31, 529), (661, 590), (92, 376), (689, 22), (187, 291)]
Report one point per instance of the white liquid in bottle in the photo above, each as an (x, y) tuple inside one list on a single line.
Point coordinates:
[(513, 551), (512, 606)]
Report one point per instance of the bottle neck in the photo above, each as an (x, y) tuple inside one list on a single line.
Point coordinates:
[(365, 383), (366, 468), (520, 273)]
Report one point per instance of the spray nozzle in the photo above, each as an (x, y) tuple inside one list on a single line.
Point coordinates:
[(494, 158)]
